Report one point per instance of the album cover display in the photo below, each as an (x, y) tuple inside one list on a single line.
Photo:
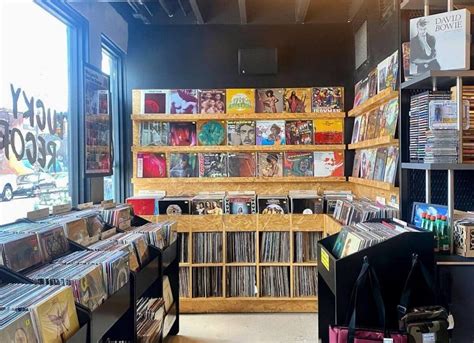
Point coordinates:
[(270, 164), (211, 132), (373, 83), (329, 131), (367, 163), (241, 203), (144, 205), (328, 163), (387, 73), (361, 92), (270, 132), (273, 204), (242, 164), (207, 204), (269, 100), (212, 101), (355, 130), (371, 126), (380, 160), (183, 165), (19, 252), (390, 118), (182, 101), (328, 99), (175, 205), (299, 132), (154, 101), (241, 132), (356, 165), (182, 134), (154, 133), (76, 230), (406, 60), (298, 164), (362, 127), (297, 100), (17, 326), (391, 164), (213, 164), (240, 100), (303, 203), (151, 165)]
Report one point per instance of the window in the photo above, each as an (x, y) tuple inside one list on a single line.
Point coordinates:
[(35, 109)]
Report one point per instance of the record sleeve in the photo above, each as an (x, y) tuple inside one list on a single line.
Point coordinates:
[(328, 99), (269, 100), (310, 205), (297, 100), (20, 251), (151, 165), (355, 130), (273, 205), (391, 165), (387, 73), (240, 204), (20, 329), (154, 133), (212, 101), (182, 101), (352, 245), (356, 165), (380, 159), (53, 242), (328, 163), (298, 164), (390, 116), (367, 163), (242, 164), (270, 164), (240, 100), (373, 83), (207, 205), (328, 131), (183, 165), (362, 127), (211, 132), (241, 132), (145, 206), (270, 132), (153, 101), (175, 205), (361, 92), (299, 132), (371, 125), (182, 134), (213, 165)]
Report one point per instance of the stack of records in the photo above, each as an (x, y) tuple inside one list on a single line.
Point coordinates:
[(207, 247), (419, 121), (351, 212), (331, 198), (468, 132), (86, 281), (19, 252), (139, 243), (305, 246), (183, 282), (275, 247), (150, 314), (160, 235), (441, 146), (119, 216), (74, 227), (275, 281), (114, 245), (96, 225), (53, 316), (306, 281), (241, 282)]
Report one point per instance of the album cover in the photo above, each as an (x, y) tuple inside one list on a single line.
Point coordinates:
[(308, 205), (356, 165), (328, 163), (371, 128), (93, 290), (298, 164), (269, 100), (390, 117), (329, 131), (272, 205), (361, 92), (19, 330), (20, 252), (297, 100), (151, 165), (211, 101), (242, 164), (352, 245), (213, 164), (53, 242), (406, 60), (355, 130), (206, 204), (387, 73), (373, 83), (241, 132), (380, 159), (270, 164), (182, 101), (182, 134), (241, 203), (328, 99), (175, 205), (154, 133), (391, 165), (211, 132), (443, 114), (76, 230), (362, 127), (431, 209), (339, 245), (367, 163), (145, 206), (270, 132), (153, 101), (183, 165), (240, 100), (440, 42), (299, 132), (120, 272)]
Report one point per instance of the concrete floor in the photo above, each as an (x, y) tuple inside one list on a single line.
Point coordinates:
[(243, 328)]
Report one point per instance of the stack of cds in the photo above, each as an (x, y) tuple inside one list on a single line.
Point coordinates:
[(350, 212), (468, 132), (441, 146), (150, 314)]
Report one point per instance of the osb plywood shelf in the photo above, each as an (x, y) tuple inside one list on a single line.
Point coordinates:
[(192, 180), (239, 148), (251, 304), (240, 116), (305, 264), (374, 183), (331, 225), (376, 142), (374, 102)]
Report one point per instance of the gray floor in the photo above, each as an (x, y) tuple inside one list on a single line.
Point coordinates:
[(230, 328)]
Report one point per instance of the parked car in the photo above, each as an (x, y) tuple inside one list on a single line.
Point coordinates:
[(31, 185), (7, 186)]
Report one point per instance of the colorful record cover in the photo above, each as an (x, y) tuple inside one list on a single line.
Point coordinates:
[(241, 132), (240, 100), (241, 205), (372, 118), (298, 164), (211, 132), (352, 244), (182, 134), (373, 83), (299, 132), (355, 130), (182, 101), (93, 290), (387, 73), (183, 165), (270, 132), (276, 205), (211, 101), (361, 92), (297, 100), (53, 243), (213, 165), (328, 163), (154, 133), (207, 206), (406, 60), (22, 252), (329, 131), (391, 165), (20, 330), (151, 165), (356, 165), (362, 127), (328, 99), (270, 164), (153, 101), (242, 164), (380, 159), (390, 116), (174, 206), (269, 100), (367, 163)]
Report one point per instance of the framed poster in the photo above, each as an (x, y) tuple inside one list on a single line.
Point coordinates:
[(97, 123)]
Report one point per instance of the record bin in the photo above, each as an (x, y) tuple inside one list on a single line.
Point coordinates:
[(391, 260)]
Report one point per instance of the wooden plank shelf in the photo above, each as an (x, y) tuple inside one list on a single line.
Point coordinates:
[(274, 264), (241, 116), (376, 142), (374, 183), (241, 264), (238, 148), (305, 264), (191, 180), (331, 225), (374, 102)]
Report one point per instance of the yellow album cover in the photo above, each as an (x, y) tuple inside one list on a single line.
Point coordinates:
[(328, 131), (297, 100), (56, 317), (240, 100)]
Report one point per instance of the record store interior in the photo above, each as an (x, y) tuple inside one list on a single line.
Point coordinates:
[(222, 171)]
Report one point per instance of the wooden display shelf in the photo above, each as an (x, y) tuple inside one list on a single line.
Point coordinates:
[(374, 102), (274, 222), (238, 148), (374, 183), (244, 222), (241, 116), (307, 222), (376, 142), (274, 264), (305, 264), (241, 264), (200, 265), (331, 225), (184, 264), (197, 180)]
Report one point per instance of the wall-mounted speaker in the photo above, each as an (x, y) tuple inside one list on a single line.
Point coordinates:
[(258, 61)]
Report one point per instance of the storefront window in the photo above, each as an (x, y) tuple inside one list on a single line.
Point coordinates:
[(34, 107)]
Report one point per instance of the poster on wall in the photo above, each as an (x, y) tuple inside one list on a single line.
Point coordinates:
[(98, 122)]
